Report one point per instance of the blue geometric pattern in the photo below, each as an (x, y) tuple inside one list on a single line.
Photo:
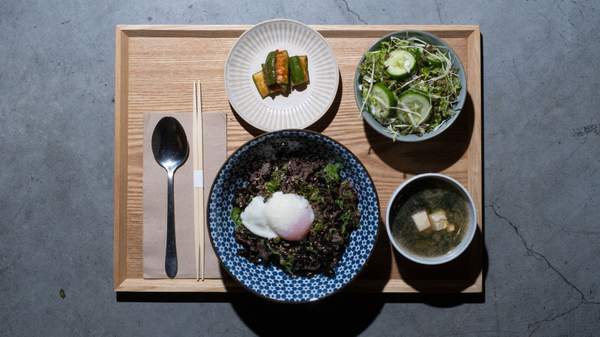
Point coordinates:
[(271, 282)]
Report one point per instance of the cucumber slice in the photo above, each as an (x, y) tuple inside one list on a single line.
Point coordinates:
[(381, 101), (414, 108), (400, 64)]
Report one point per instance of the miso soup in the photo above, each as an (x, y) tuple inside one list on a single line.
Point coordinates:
[(430, 216)]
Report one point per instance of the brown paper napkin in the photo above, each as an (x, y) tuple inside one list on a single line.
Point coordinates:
[(155, 189), (215, 153)]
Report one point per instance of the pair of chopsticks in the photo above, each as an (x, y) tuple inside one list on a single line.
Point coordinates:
[(198, 190)]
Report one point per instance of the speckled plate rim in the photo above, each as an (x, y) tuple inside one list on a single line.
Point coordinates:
[(375, 125), (267, 22), (358, 272)]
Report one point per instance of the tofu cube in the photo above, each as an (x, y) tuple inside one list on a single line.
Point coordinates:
[(421, 220), (438, 220)]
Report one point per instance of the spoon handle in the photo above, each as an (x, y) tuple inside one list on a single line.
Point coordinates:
[(171, 253)]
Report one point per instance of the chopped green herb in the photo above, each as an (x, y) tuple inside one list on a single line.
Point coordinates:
[(236, 216), (318, 227), (331, 172), (346, 218), (274, 184), (287, 262)]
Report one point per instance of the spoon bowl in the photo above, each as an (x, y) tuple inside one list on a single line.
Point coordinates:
[(169, 144), (171, 150)]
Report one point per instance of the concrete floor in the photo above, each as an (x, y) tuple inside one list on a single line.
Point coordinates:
[(542, 177)]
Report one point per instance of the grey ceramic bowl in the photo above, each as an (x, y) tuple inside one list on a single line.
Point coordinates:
[(454, 252), (427, 37)]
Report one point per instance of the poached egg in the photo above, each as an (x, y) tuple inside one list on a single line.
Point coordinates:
[(286, 215)]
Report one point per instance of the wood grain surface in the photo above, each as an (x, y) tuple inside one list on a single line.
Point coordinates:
[(154, 70)]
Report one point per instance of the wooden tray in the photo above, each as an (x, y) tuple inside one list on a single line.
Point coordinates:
[(154, 70)]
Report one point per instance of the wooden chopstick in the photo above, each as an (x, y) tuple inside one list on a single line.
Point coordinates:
[(198, 191)]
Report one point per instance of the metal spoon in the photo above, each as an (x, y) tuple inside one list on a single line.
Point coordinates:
[(170, 148)]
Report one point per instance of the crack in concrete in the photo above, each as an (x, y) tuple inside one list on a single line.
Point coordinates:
[(5, 268), (586, 130), (349, 10), (582, 299), (479, 332), (573, 153), (538, 324), (580, 232), (438, 10), (10, 264), (534, 252), (496, 317), (24, 204), (18, 212), (565, 14), (515, 73)]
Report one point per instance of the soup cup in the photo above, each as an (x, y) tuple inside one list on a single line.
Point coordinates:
[(469, 230)]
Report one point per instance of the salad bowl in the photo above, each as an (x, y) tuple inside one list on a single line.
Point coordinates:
[(456, 105)]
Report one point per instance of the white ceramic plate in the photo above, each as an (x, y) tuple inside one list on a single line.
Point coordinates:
[(299, 109)]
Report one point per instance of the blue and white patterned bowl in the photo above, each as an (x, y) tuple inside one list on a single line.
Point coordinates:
[(271, 282)]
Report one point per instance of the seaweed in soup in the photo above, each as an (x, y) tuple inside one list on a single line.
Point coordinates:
[(430, 195)]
